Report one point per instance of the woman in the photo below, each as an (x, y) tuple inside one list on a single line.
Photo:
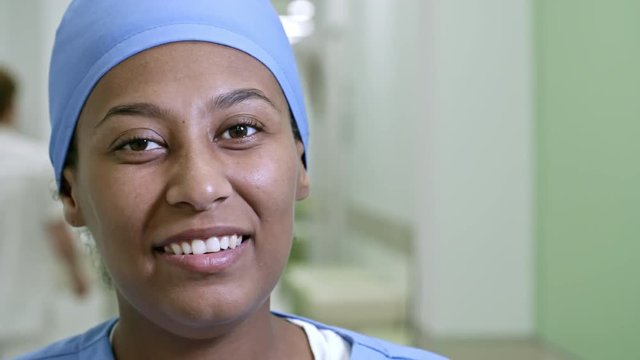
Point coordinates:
[(178, 140)]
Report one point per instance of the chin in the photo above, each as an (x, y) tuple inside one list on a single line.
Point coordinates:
[(197, 312)]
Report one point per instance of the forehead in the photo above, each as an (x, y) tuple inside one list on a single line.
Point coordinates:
[(198, 66)]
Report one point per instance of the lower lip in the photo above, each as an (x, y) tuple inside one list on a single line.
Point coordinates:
[(209, 263)]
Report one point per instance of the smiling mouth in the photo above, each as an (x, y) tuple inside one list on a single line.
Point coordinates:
[(213, 244)]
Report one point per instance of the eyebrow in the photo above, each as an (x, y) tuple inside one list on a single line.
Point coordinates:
[(222, 101), (136, 109), (233, 97)]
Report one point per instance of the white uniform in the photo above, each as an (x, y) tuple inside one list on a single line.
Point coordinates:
[(26, 259)]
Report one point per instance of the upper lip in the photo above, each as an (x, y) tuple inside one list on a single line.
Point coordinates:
[(202, 234)]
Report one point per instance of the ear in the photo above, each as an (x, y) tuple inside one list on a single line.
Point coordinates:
[(302, 190), (72, 211)]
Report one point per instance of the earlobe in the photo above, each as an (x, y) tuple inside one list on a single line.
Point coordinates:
[(303, 184), (72, 212), (302, 190)]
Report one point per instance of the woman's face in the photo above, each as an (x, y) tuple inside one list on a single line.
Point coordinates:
[(181, 147)]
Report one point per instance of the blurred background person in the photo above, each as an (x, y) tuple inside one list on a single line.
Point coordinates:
[(33, 233)]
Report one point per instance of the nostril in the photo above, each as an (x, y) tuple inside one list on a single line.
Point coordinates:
[(199, 192)]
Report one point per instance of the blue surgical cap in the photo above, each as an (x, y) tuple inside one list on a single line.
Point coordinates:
[(96, 35)]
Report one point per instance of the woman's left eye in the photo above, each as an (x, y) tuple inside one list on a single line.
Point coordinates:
[(239, 131)]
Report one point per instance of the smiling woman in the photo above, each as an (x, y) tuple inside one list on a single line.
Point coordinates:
[(179, 171), (178, 140)]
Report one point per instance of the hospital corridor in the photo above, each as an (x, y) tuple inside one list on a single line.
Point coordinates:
[(474, 182)]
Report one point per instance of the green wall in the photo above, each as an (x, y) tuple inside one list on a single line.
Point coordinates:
[(588, 176)]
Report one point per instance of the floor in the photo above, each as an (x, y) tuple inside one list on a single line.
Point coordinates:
[(495, 350)]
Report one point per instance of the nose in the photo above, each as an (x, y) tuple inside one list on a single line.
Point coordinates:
[(199, 181)]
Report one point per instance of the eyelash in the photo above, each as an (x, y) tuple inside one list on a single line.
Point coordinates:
[(244, 121), (130, 140)]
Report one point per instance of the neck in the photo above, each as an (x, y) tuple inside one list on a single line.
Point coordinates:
[(259, 335)]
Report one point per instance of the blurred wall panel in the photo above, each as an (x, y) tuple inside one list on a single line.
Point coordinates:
[(474, 196), (433, 116), (588, 176)]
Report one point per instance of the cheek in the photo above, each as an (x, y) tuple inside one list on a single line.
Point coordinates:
[(121, 199), (269, 188), (270, 184)]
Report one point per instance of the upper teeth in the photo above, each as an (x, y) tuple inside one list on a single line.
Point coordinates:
[(199, 246)]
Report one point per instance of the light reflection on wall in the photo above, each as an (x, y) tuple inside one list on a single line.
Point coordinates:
[(298, 22)]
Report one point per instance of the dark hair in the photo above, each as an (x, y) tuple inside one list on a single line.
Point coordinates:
[(7, 92)]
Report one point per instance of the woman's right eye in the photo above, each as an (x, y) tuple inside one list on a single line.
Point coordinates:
[(139, 148), (141, 145)]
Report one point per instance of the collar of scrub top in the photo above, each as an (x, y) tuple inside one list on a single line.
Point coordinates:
[(96, 35)]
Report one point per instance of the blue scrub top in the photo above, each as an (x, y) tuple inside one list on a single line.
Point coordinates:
[(94, 344)]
